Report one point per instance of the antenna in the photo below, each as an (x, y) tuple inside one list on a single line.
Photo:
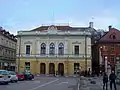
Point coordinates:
[(53, 19), (92, 19)]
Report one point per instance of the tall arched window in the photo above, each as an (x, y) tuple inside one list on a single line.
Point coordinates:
[(52, 49), (43, 48), (61, 49)]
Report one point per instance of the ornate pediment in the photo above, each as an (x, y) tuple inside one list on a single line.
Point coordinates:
[(52, 27), (28, 42)]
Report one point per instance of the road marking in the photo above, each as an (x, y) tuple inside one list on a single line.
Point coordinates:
[(44, 84), (78, 86), (61, 83), (37, 81)]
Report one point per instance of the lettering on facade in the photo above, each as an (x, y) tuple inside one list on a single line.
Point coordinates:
[(28, 42), (76, 42)]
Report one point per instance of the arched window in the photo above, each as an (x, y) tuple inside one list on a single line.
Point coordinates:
[(43, 48), (61, 49), (52, 49)]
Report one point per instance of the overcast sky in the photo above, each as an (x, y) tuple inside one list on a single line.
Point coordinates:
[(28, 14)]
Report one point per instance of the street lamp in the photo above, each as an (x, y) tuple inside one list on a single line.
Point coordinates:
[(85, 54), (109, 68), (19, 51), (106, 64), (116, 64)]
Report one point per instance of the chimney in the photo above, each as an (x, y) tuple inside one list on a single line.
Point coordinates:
[(109, 27), (91, 24)]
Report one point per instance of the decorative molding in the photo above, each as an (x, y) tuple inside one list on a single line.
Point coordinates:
[(76, 42), (52, 27), (28, 42)]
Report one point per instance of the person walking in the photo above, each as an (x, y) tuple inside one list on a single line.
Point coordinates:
[(112, 79), (105, 81)]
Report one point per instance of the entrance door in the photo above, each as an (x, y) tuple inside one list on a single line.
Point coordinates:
[(61, 69), (51, 68), (42, 68)]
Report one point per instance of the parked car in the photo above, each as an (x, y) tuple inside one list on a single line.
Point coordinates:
[(28, 76), (13, 76), (21, 76), (4, 77)]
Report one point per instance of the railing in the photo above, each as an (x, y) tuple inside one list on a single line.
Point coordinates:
[(55, 32), (8, 57), (53, 56)]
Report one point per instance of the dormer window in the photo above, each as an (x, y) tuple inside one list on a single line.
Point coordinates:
[(113, 36)]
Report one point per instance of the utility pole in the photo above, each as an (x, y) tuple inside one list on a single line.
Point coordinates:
[(19, 53), (85, 54)]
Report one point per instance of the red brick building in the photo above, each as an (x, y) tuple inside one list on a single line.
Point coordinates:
[(109, 48)]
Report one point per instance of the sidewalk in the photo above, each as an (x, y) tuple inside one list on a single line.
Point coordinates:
[(99, 84)]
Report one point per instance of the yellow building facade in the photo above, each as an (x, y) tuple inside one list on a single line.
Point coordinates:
[(51, 49)]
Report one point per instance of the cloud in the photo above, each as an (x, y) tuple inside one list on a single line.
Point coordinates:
[(101, 21)]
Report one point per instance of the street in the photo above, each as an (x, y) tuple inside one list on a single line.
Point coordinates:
[(42, 83), (52, 83)]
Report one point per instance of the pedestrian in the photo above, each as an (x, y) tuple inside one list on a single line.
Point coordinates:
[(105, 81), (112, 79)]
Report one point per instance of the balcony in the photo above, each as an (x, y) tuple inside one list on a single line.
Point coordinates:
[(80, 56), (53, 32)]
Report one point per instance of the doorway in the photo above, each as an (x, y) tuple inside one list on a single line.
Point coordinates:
[(51, 68), (61, 69), (42, 68)]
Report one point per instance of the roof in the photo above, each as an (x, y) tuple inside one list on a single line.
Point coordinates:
[(112, 36), (59, 28), (7, 34)]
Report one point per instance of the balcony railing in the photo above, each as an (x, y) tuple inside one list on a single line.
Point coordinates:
[(53, 56)]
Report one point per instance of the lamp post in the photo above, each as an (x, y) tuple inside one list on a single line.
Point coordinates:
[(85, 54), (117, 65), (100, 60), (106, 64), (19, 52), (109, 68)]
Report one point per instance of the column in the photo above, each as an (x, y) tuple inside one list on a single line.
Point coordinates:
[(56, 48), (37, 47), (47, 48), (66, 47), (0, 65)]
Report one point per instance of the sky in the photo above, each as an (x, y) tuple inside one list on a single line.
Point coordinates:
[(19, 15)]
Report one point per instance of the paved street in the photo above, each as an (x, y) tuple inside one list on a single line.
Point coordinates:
[(43, 84), (99, 84), (52, 83)]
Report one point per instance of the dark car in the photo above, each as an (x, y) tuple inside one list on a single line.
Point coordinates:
[(28, 76)]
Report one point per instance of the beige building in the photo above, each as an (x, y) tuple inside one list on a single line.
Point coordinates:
[(8, 44), (50, 49)]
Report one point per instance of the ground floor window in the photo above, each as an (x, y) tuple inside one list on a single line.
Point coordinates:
[(27, 66), (76, 68), (12, 68)]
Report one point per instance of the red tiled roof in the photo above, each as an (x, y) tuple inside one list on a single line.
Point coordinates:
[(106, 38), (58, 28)]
